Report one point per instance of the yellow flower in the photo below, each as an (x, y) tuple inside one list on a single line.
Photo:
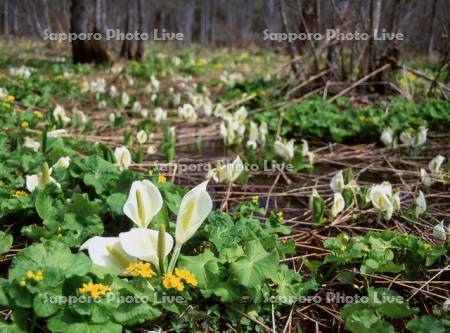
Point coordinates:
[(10, 98), (18, 194), (362, 118), (23, 282), (162, 179), (410, 76), (343, 248), (38, 276), (255, 199), (218, 66), (244, 55), (140, 269), (94, 289), (38, 114), (24, 124), (280, 216), (201, 62), (187, 276), (150, 172), (173, 281)]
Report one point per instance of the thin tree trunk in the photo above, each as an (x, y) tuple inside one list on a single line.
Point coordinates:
[(82, 20), (140, 43), (286, 29), (205, 21), (15, 20), (431, 31), (6, 18), (127, 50)]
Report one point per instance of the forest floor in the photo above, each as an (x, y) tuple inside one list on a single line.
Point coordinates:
[(421, 280)]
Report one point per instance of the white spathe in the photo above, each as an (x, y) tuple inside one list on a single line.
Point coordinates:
[(143, 244), (59, 114), (338, 204), (426, 178), (125, 98), (123, 157), (387, 137), (107, 252), (380, 198), (285, 150), (32, 144), (63, 162), (436, 164), (235, 169), (187, 112), (39, 180), (337, 182), (160, 115), (143, 203), (421, 204), (195, 207), (439, 232), (142, 137)]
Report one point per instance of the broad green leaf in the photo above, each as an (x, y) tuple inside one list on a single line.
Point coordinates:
[(255, 266)]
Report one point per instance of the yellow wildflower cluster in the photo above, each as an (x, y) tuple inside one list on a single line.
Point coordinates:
[(162, 179), (255, 199), (343, 248), (38, 114), (201, 62), (38, 277), (410, 76), (175, 281), (187, 276), (19, 194), (140, 269), (95, 289), (10, 98), (244, 56), (280, 216), (24, 124)]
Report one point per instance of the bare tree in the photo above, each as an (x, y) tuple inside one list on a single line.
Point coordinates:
[(431, 31), (6, 18), (82, 21)]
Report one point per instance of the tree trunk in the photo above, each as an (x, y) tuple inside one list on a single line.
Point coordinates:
[(127, 50), (15, 25), (431, 31), (205, 21), (6, 19), (286, 30), (82, 20), (140, 43)]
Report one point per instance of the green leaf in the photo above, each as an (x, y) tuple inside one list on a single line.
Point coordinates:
[(255, 266), (6, 241), (116, 201), (45, 206), (428, 324), (67, 322), (318, 210), (57, 264), (205, 267), (290, 286)]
